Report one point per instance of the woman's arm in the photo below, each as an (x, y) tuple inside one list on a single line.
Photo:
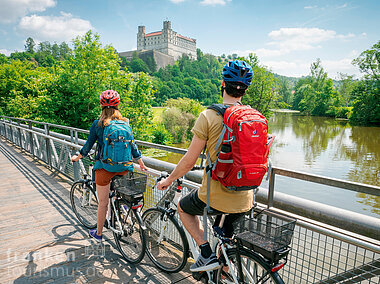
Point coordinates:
[(90, 140)]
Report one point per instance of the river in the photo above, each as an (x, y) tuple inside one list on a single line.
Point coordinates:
[(327, 147)]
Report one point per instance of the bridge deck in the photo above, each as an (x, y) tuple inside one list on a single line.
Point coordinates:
[(41, 240)]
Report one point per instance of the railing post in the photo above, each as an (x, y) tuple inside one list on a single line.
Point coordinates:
[(19, 133), (271, 187), (1, 128), (11, 128), (76, 168), (5, 130), (31, 138), (48, 156)]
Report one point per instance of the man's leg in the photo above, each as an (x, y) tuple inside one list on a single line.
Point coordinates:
[(192, 225), (188, 208)]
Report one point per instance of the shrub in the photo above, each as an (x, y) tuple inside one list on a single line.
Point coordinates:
[(178, 123), (161, 135)]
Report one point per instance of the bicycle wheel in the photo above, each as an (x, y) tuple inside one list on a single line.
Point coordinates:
[(166, 241), (131, 243), (255, 269), (84, 203)]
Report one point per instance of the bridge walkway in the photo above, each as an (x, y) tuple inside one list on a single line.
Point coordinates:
[(41, 240)]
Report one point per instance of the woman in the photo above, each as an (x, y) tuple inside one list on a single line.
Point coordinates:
[(109, 101)]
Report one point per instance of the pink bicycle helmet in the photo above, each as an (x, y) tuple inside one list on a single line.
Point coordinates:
[(109, 98)]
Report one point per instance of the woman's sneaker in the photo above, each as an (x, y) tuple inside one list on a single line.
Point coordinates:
[(95, 236), (205, 264)]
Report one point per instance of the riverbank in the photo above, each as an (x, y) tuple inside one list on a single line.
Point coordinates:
[(285, 110)]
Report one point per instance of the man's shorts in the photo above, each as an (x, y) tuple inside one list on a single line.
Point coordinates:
[(191, 204), (103, 177)]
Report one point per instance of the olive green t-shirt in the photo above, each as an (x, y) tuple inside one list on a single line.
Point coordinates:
[(208, 127)]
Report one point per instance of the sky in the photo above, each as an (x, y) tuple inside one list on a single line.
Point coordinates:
[(286, 35)]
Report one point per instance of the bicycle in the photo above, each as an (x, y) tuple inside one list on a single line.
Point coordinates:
[(124, 211), (255, 254)]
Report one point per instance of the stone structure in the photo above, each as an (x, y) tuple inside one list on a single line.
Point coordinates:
[(167, 42), (160, 58)]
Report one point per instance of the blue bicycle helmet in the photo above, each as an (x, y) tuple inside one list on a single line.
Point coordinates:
[(237, 71)]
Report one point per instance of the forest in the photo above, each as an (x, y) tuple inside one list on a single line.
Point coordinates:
[(58, 84)]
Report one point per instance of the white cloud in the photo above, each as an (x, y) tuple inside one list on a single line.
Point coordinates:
[(177, 1), (5, 52), (287, 68), (364, 34), (286, 40), (350, 35), (12, 10), (310, 7), (344, 65), (214, 2), (61, 28)]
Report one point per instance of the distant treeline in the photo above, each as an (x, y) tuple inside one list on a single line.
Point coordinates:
[(53, 83)]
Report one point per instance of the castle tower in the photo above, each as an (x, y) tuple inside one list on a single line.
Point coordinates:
[(141, 38), (167, 25)]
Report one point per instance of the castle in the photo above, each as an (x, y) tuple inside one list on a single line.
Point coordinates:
[(164, 46), (166, 41)]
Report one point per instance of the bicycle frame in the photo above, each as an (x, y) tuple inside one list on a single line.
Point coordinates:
[(193, 247), (111, 205)]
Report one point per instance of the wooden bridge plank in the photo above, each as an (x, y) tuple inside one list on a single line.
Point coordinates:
[(40, 239)]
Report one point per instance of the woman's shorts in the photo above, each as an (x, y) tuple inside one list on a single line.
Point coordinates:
[(103, 177)]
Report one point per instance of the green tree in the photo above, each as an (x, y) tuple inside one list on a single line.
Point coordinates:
[(366, 102), (64, 50), (3, 58), (82, 77), (23, 89), (136, 92), (316, 94), (55, 51), (346, 87), (366, 94), (369, 62), (261, 94), (284, 91), (138, 65), (29, 45)]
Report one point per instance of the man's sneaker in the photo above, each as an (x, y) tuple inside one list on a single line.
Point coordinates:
[(95, 236), (205, 264)]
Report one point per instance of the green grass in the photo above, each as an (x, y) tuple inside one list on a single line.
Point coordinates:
[(157, 111)]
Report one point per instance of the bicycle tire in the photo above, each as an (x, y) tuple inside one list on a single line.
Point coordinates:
[(132, 244), (170, 255), (84, 209), (256, 270)]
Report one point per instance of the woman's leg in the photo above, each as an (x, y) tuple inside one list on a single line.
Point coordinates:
[(103, 195)]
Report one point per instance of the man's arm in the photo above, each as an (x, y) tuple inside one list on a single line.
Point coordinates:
[(186, 163)]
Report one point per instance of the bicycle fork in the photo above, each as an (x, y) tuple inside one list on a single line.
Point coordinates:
[(86, 192)]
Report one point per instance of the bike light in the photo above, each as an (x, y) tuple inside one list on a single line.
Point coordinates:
[(278, 267)]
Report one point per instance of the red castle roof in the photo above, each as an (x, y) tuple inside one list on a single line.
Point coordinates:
[(189, 39), (153, 34)]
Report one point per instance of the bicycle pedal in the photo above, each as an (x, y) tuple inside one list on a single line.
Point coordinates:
[(199, 275)]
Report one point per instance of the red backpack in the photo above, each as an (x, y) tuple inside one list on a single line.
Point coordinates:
[(242, 161)]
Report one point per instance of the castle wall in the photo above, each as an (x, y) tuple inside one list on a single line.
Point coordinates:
[(166, 41)]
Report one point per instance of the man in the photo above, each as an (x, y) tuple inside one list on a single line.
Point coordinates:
[(237, 76)]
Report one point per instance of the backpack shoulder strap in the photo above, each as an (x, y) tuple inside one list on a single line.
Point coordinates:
[(219, 108)]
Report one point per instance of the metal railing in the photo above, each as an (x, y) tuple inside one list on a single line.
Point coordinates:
[(330, 245)]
